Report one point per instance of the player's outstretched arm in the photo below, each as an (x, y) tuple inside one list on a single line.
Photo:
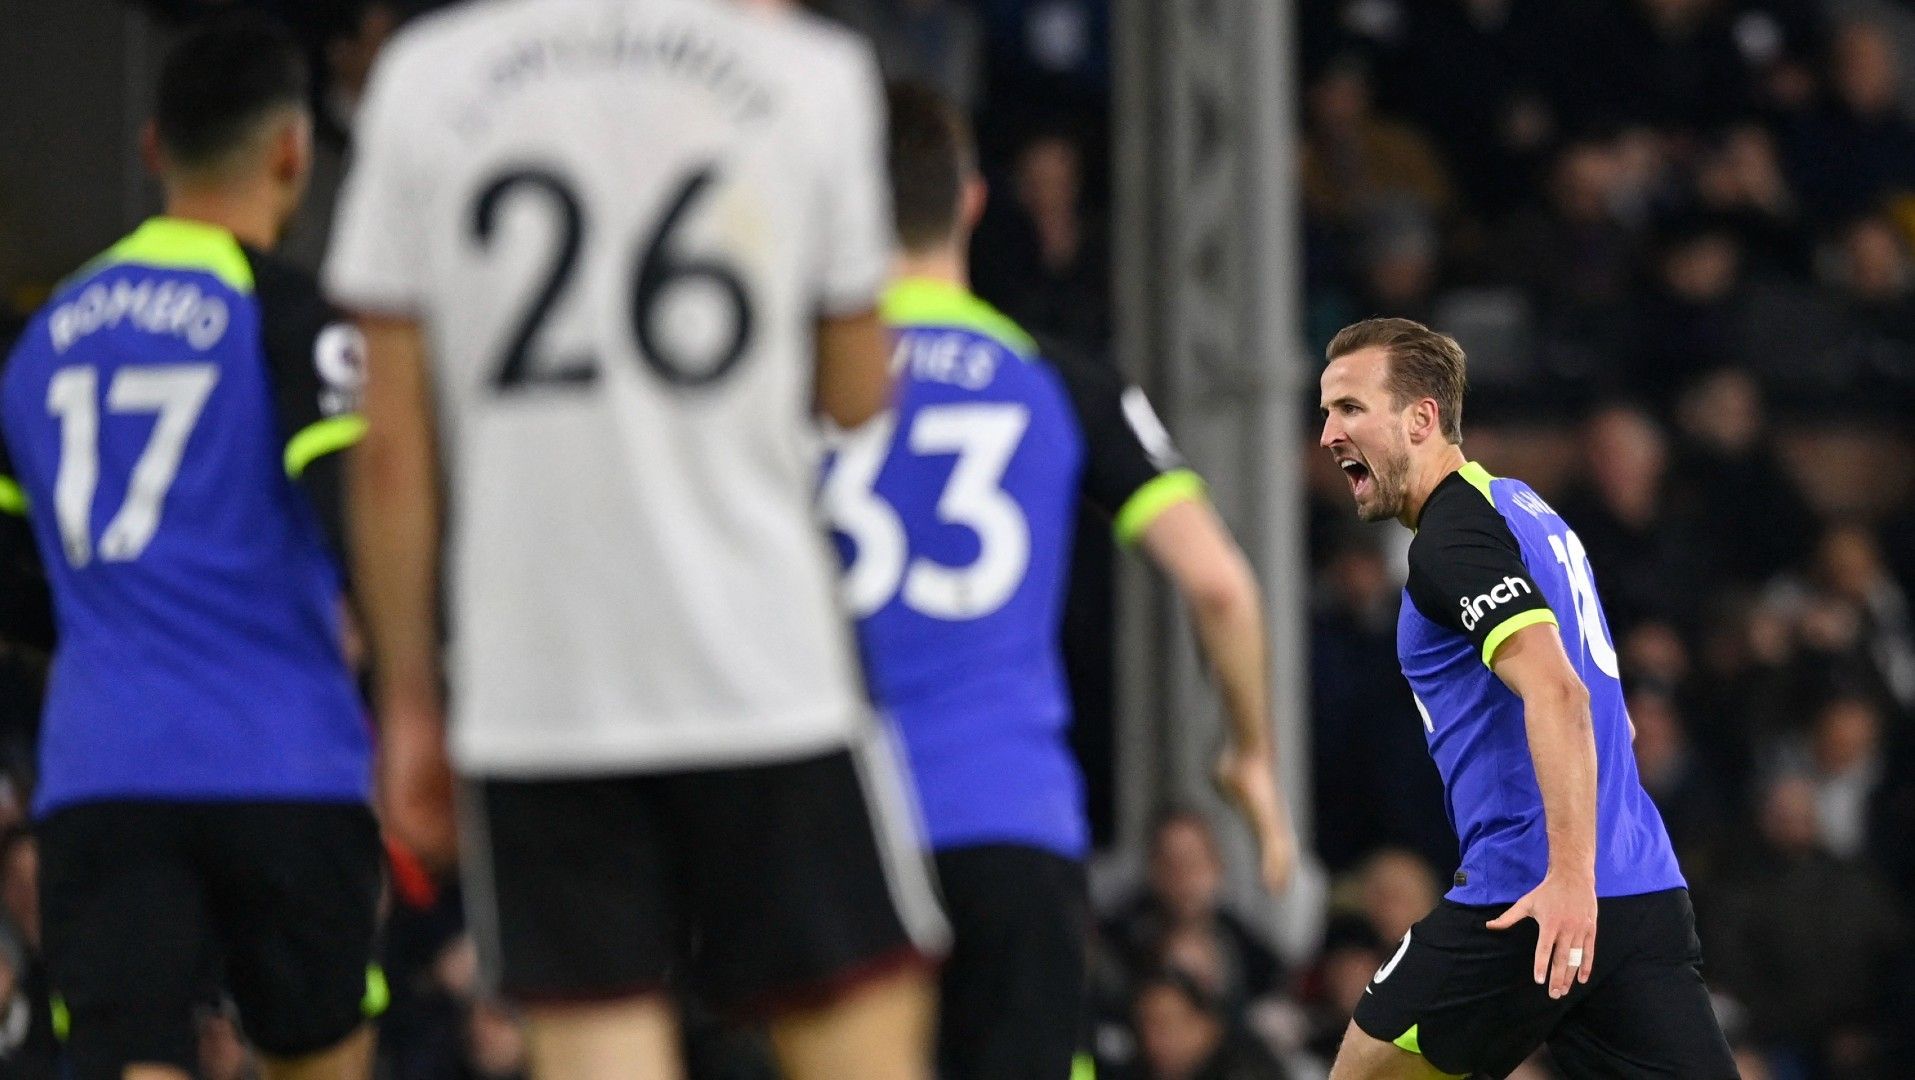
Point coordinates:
[(854, 368), (1562, 743), (1194, 547), (393, 520)]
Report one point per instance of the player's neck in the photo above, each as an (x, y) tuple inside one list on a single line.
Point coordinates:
[(249, 216), (1425, 475), (946, 264)]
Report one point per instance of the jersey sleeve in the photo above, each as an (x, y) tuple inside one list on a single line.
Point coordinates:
[(1467, 572), (316, 360), (376, 259), (1132, 470), (855, 224), (13, 499)]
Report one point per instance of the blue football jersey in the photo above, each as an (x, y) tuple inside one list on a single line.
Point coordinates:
[(1489, 558), (955, 513), (157, 414)]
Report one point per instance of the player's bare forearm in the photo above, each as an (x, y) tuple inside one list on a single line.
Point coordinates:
[(854, 368), (393, 519), (1210, 572), (1562, 743), (1214, 578)]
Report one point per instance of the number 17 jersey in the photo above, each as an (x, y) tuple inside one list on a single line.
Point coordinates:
[(956, 514)]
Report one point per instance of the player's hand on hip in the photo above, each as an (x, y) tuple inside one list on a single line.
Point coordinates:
[(1564, 907), (1249, 781), (415, 781)]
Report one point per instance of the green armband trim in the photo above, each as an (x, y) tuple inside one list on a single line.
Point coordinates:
[(1148, 503), (12, 499), (378, 993), (316, 440), (1509, 626)]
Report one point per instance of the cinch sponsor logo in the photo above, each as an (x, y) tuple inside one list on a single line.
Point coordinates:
[(1475, 607)]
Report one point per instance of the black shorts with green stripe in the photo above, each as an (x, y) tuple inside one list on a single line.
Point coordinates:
[(1463, 996), (151, 910)]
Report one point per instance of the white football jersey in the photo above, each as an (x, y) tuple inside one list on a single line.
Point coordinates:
[(617, 221)]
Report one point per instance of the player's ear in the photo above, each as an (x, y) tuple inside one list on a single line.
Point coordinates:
[(1424, 422), (971, 199), (151, 156), (293, 148)]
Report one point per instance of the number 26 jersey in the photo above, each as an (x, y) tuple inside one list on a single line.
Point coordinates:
[(617, 222)]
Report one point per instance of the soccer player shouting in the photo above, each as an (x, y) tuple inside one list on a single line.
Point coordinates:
[(1504, 642)]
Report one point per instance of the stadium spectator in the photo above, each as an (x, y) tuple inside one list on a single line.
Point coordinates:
[(1395, 890), (1644, 561), (1366, 735), (1739, 181), (1184, 1033), (1695, 801), (1726, 473), (1039, 256), (1805, 939), (1692, 314), (1573, 254), (1668, 63), (1181, 914), (1857, 149), (1355, 160)]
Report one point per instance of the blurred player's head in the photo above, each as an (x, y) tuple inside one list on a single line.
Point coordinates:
[(937, 195), (231, 119), (1392, 399)]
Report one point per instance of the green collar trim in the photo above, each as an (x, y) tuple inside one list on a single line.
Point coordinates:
[(917, 301), (172, 243), (1478, 478)]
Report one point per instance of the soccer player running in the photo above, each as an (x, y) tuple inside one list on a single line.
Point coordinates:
[(958, 511), (613, 257), (1504, 643), (171, 421)]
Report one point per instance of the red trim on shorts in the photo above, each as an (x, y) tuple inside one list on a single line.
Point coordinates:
[(560, 999), (834, 988)]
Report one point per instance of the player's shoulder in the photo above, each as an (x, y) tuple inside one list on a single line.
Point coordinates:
[(1462, 509)]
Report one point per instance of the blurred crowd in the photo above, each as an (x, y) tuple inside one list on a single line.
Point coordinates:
[(1675, 238)]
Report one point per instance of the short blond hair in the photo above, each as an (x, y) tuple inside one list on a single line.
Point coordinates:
[(1423, 364)]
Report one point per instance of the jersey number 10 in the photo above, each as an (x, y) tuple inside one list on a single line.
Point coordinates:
[(984, 437)]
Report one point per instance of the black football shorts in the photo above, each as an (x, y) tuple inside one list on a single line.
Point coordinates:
[(150, 909), (760, 888), (1464, 996)]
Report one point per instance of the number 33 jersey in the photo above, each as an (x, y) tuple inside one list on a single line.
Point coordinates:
[(1490, 557), (955, 514), (617, 222), (157, 414)]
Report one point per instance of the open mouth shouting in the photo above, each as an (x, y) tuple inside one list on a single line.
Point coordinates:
[(1357, 472)]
